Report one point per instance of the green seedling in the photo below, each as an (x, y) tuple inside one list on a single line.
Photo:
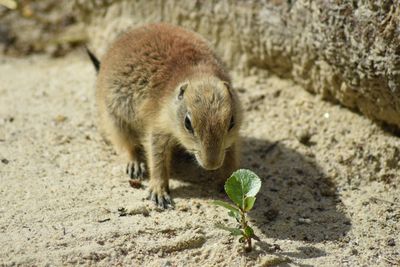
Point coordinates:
[(242, 188)]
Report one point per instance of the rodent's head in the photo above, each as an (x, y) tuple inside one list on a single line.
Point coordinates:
[(208, 119)]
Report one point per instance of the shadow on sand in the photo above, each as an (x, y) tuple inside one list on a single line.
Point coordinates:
[(296, 202)]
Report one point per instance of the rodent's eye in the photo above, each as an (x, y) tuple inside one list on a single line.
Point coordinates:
[(231, 124), (188, 124)]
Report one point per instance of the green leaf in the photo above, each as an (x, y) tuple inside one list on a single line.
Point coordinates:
[(226, 205), (242, 239), (233, 231), (249, 203), (242, 183), (235, 215), (248, 231)]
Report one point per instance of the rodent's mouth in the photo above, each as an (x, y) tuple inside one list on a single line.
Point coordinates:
[(208, 167)]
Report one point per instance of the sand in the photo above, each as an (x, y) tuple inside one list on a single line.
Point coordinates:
[(330, 194)]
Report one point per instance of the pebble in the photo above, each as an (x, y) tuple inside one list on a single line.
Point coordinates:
[(60, 118), (304, 221), (140, 210), (135, 183), (303, 136), (391, 242), (354, 251), (122, 211), (167, 264)]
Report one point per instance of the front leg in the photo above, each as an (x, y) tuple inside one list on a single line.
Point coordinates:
[(159, 157)]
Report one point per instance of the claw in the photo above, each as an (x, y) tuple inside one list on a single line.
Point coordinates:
[(136, 170), (162, 201)]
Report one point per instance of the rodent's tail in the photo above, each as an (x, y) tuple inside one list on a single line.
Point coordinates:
[(93, 58)]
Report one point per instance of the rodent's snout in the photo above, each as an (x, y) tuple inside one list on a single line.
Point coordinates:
[(210, 162)]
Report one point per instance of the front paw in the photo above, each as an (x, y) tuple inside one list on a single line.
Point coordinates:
[(160, 196), (136, 169)]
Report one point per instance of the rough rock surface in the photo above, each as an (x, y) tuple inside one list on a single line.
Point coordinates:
[(347, 51), (39, 26)]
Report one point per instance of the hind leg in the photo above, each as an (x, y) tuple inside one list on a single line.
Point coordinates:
[(125, 141)]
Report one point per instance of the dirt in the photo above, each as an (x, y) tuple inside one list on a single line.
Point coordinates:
[(329, 197)]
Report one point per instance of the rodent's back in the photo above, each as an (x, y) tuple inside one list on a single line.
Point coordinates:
[(152, 59)]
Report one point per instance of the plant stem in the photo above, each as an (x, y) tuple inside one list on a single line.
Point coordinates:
[(249, 248), (244, 225)]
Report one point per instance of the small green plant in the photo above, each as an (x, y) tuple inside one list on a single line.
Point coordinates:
[(242, 188)]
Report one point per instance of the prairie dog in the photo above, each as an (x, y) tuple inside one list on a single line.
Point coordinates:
[(161, 86)]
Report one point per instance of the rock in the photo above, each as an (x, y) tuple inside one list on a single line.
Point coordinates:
[(135, 183), (391, 242), (43, 26), (304, 221), (272, 260), (304, 136), (140, 210), (346, 51), (59, 119)]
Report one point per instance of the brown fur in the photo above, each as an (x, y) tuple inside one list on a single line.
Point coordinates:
[(149, 79)]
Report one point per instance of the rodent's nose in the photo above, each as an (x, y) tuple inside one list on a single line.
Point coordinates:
[(211, 167), (210, 163)]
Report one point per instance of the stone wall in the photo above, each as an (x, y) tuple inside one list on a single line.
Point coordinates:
[(346, 51), (39, 26)]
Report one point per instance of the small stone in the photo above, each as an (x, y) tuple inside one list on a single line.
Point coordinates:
[(303, 136), (241, 90), (60, 118), (272, 260), (183, 209), (5, 161), (276, 94), (122, 211), (140, 210), (304, 221), (391, 242), (62, 140), (276, 247), (167, 264), (135, 183)]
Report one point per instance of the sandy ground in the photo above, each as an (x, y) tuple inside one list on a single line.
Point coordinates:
[(330, 194)]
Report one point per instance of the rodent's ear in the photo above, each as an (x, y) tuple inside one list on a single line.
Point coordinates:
[(182, 90)]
